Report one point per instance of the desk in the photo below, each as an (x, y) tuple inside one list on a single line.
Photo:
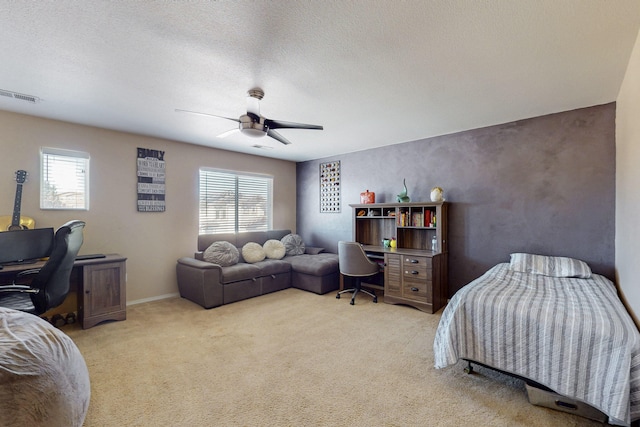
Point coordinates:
[(412, 277), (100, 284)]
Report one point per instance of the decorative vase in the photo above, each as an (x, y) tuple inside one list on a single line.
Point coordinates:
[(393, 243), (367, 197), (402, 197), (437, 194)]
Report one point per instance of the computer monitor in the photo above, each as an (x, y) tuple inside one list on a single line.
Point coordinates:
[(23, 246)]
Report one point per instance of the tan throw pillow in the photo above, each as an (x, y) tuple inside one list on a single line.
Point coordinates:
[(222, 253), (252, 252), (293, 244), (274, 249)]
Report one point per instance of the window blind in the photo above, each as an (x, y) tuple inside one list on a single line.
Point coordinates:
[(64, 182), (232, 202)]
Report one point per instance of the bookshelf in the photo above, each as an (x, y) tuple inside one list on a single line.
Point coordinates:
[(412, 224), (414, 274)]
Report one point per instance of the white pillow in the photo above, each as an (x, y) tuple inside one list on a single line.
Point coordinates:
[(252, 252), (222, 253), (549, 265), (274, 249), (293, 244)]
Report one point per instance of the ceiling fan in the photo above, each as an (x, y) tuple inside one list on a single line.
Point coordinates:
[(255, 125)]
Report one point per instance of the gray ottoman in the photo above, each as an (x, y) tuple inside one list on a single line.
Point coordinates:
[(44, 380)]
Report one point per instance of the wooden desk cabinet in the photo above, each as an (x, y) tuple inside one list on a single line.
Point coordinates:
[(414, 280), (415, 273), (100, 284), (103, 291)]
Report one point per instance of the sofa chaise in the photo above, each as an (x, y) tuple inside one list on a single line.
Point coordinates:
[(212, 284)]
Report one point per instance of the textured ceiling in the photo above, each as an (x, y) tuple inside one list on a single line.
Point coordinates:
[(373, 73)]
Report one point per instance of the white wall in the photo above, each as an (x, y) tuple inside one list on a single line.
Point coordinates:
[(627, 184), (151, 241)]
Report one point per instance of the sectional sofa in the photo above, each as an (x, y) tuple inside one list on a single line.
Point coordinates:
[(212, 284)]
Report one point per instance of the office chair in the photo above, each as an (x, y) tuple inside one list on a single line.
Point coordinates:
[(353, 262), (49, 285)]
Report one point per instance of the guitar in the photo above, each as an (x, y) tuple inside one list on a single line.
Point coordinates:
[(17, 222)]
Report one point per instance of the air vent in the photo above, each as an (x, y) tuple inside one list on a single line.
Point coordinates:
[(263, 147), (21, 96)]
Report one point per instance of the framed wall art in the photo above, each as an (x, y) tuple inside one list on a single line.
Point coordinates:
[(330, 186), (151, 180)]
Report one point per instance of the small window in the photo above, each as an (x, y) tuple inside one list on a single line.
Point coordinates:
[(234, 202), (64, 182)]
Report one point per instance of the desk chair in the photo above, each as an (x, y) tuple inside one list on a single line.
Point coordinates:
[(49, 285), (353, 262)]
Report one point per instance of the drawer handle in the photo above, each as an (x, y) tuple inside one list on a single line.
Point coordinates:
[(414, 261), (415, 272), (415, 289)]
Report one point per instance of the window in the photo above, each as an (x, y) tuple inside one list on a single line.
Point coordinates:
[(64, 179), (232, 202)]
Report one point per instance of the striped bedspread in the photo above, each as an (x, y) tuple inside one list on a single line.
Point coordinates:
[(571, 335)]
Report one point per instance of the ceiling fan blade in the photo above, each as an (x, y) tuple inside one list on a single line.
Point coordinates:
[(205, 114), (228, 133), (275, 135), (279, 124)]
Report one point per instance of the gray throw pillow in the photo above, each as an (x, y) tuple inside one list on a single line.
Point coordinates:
[(552, 266), (294, 244), (222, 253), (310, 250)]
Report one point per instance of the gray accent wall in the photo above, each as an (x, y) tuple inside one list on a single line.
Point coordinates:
[(544, 185)]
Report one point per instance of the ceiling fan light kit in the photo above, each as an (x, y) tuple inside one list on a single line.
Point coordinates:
[(254, 124)]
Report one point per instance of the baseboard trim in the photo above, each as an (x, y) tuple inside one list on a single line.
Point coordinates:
[(156, 298)]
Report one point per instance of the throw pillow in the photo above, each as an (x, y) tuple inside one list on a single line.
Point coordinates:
[(274, 249), (252, 252), (222, 253), (310, 250), (549, 265), (293, 244)]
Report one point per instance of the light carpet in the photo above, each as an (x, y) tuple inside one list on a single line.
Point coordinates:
[(291, 358)]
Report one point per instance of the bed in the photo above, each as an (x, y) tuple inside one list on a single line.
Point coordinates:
[(551, 321)]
